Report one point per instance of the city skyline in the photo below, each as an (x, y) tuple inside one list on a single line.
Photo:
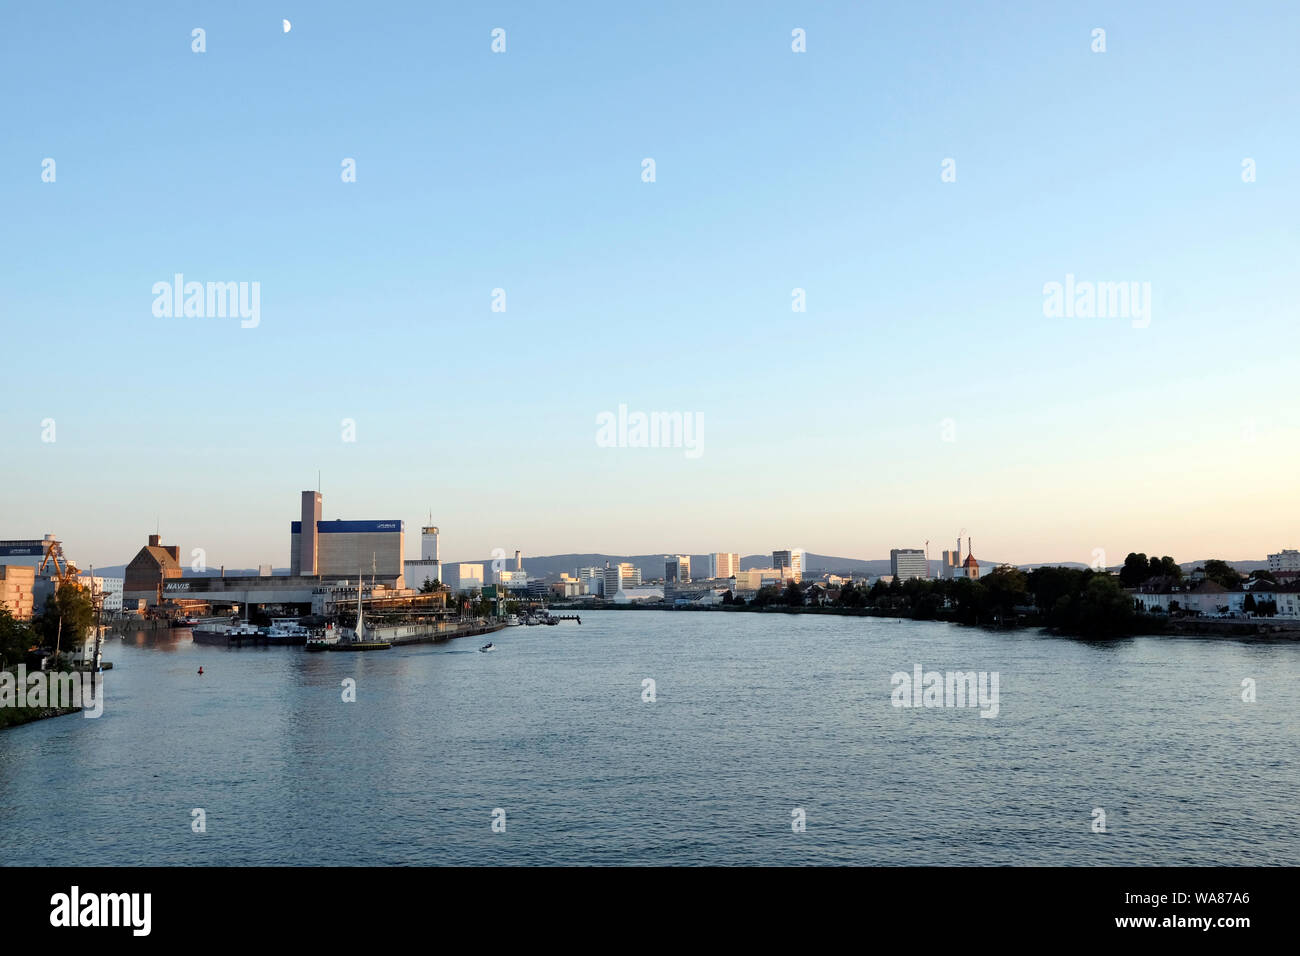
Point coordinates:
[(927, 386)]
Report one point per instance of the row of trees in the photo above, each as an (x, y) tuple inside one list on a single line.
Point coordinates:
[(1138, 569), (1074, 601)]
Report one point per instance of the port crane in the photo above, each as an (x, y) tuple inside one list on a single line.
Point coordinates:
[(64, 573)]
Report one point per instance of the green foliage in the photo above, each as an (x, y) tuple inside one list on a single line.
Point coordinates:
[(16, 638), (1101, 608), (1221, 572), (71, 606)]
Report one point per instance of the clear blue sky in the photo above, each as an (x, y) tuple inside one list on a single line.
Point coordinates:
[(775, 170)]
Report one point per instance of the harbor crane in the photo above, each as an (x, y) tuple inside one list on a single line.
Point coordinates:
[(64, 573)]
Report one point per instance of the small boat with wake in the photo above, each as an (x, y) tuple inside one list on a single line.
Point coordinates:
[(489, 646)]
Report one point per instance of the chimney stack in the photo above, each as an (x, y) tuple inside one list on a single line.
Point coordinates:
[(155, 540)]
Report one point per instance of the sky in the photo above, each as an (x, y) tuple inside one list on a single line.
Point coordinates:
[(923, 390)]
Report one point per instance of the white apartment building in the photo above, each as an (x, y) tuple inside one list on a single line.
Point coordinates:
[(1287, 559), (905, 563)]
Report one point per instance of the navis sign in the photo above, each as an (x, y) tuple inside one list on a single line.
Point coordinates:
[(178, 586)]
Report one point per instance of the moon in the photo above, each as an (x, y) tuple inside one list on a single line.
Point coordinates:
[(287, 25)]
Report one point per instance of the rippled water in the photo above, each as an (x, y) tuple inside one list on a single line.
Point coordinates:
[(755, 715)]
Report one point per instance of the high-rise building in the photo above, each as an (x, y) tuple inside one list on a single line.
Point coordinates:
[(677, 569), (907, 563), (789, 563), (342, 548), (591, 580), (308, 551), (1288, 559), (620, 577), (724, 564)]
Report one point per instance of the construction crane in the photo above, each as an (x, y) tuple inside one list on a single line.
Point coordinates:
[(64, 573)]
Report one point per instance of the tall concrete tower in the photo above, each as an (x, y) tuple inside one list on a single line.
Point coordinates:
[(308, 545), (429, 544), (519, 561)]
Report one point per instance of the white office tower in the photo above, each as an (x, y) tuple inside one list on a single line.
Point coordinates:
[(905, 563), (591, 580), (620, 577), (429, 567)]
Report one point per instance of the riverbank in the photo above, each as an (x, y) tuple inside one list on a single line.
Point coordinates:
[(1146, 624), (17, 716)]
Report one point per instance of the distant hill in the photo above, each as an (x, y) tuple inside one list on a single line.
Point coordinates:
[(652, 565)]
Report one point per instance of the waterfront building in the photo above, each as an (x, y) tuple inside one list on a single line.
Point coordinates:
[(790, 563), (511, 580), (591, 580), (723, 564), (17, 590), (464, 577), (677, 569), (150, 571), (630, 595), (620, 577), (428, 567), (905, 563), (567, 587), (343, 548), (26, 552)]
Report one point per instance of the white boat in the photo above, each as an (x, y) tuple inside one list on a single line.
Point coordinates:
[(513, 621), (286, 631), (324, 640), (487, 647)]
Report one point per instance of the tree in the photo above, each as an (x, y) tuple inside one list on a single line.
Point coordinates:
[(1263, 574), (793, 594), (428, 587), (1136, 569), (16, 638), (1101, 609), (1221, 572), (68, 615), (1005, 588)]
